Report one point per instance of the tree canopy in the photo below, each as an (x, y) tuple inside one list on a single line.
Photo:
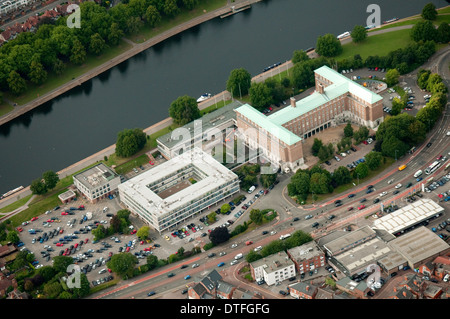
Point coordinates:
[(239, 82), (328, 45), (130, 141), (184, 110)]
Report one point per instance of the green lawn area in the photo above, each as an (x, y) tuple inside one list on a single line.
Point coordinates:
[(72, 71), (5, 108), (128, 166), (380, 44), (214, 107), (414, 19), (15, 205), (147, 32)]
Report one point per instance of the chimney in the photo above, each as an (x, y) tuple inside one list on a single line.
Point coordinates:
[(320, 88), (293, 101)]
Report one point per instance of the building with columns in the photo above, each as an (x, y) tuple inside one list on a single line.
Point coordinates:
[(336, 100)]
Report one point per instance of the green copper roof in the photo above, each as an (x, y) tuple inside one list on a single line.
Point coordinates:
[(263, 121)]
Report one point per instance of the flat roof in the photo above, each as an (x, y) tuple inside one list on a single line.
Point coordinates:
[(207, 121), (348, 239), (273, 262), (407, 216), (419, 244), (305, 251), (362, 255), (95, 176), (215, 174)]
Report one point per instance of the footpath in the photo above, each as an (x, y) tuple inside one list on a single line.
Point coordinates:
[(225, 95)]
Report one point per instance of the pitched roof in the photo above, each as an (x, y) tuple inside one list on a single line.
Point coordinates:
[(266, 123)]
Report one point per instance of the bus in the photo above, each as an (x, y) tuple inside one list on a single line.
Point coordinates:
[(430, 169)]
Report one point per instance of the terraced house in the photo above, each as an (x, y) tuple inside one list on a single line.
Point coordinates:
[(336, 100)]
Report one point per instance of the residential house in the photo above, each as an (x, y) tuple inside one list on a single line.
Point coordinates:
[(303, 290)]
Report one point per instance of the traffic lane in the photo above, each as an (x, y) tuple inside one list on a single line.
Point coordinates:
[(158, 279)]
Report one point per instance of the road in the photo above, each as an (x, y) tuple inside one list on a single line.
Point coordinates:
[(420, 159)]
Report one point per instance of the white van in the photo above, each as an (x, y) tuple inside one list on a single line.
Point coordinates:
[(238, 256), (418, 173), (251, 189), (446, 278)]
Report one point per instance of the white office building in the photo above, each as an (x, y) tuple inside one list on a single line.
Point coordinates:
[(273, 269), (176, 190), (97, 182)]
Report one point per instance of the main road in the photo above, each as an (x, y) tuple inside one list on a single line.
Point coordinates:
[(159, 282)]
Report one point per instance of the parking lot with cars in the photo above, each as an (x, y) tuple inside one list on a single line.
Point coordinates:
[(66, 230)]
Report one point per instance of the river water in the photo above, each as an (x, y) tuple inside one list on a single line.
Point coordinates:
[(138, 92)]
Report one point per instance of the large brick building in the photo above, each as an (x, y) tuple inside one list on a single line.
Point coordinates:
[(336, 99)]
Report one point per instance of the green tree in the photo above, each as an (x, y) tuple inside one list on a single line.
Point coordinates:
[(225, 208), (143, 232), (299, 56), (373, 160), (423, 31), (303, 74), (422, 78), (260, 95), (316, 146), (61, 263), (212, 217), (97, 45), (184, 110), (362, 170), (429, 12), (170, 8), (122, 264), (443, 33), (51, 179), (341, 175), (115, 34), (58, 67), (392, 76), (38, 187), (359, 33), (256, 216), (152, 16), (13, 237), (328, 45), (137, 8), (130, 141), (190, 4), (78, 52), (397, 106), (239, 82), (152, 261), (133, 25), (320, 183), (219, 235), (16, 83), (267, 179), (348, 130), (37, 74)]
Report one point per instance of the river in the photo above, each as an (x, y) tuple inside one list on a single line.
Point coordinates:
[(138, 92)]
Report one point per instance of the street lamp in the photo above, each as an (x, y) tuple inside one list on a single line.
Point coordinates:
[(396, 155)]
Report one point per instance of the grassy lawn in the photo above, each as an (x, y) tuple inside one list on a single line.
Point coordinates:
[(15, 205), (214, 107), (380, 45), (414, 19), (72, 71), (5, 108), (148, 32), (128, 166)]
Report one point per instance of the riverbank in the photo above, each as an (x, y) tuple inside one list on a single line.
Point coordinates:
[(99, 156), (134, 50)]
